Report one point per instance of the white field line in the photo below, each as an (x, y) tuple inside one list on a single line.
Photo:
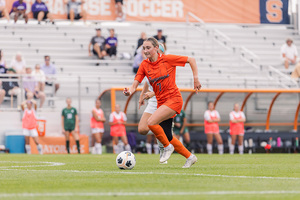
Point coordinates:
[(52, 164), (44, 164), (64, 194), (157, 173)]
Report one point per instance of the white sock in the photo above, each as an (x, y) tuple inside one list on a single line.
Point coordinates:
[(156, 148), (231, 149), (116, 149), (241, 149), (127, 147), (209, 148), (98, 148), (28, 149), (220, 149), (149, 148), (40, 149)]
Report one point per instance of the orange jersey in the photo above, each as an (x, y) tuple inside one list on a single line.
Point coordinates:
[(161, 75)]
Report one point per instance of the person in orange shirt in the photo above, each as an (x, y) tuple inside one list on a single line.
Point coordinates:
[(29, 126), (160, 71), (237, 119), (211, 128), (97, 126), (117, 121)]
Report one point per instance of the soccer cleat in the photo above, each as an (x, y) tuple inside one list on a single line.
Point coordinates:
[(190, 161), (167, 153)]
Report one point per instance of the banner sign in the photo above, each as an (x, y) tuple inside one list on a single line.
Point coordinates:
[(220, 11), (57, 145)]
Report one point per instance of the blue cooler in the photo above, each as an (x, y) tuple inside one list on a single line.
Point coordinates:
[(15, 143)]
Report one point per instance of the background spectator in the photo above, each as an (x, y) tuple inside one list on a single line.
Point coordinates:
[(289, 53), (73, 9), (11, 86), (18, 63), (2, 93), (140, 41), (39, 76), (117, 121), (111, 43), (211, 128), (18, 11), (49, 71), (237, 119), (40, 11), (180, 128), (98, 44), (119, 10), (31, 85), (2, 63), (3, 10), (160, 38), (138, 58)]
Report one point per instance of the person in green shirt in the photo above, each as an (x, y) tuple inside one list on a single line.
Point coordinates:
[(70, 124), (181, 129)]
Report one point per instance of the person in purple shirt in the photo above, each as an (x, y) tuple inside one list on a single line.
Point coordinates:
[(111, 43), (50, 71), (18, 11), (40, 11)]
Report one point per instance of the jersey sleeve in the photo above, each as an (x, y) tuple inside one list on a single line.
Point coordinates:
[(62, 112), (175, 60), (124, 117), (243, 115), (231, 116), (218, 114), (75, 111), (206, 116), (183, 114), (111, 119), (140, 73)]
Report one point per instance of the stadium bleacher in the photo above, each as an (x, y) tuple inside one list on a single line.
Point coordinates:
[(232, 56)]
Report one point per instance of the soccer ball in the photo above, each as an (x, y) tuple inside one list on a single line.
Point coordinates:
[(125, 160)]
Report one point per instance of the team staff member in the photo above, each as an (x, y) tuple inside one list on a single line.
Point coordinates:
[(237, 119), (160, 71), (70, 124), (29, 126), (211, 128), (97, 126), (117, 121), (181, 129)]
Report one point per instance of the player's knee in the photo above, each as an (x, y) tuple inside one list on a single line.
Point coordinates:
[(143, 130)]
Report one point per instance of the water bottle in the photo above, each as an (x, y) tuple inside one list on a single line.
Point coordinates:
[(279, 142)]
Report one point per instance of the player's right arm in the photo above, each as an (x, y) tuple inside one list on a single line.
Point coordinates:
[(63, 124), (137, 80), (141, 99)]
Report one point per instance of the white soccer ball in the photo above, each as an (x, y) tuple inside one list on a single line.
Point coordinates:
[(125, 160)]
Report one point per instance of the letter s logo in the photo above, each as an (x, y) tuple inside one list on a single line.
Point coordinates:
[(274, 10)]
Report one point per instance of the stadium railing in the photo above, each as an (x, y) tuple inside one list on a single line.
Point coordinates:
[(221, 92)]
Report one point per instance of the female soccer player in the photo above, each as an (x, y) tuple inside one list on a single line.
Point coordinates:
[(29, 126), (97, 120), (211, 128), (143, 129), (117, 121), (237, 119), (70, 124), (160, 70)]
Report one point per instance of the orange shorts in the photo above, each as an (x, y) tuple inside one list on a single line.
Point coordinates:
[(174, 103)]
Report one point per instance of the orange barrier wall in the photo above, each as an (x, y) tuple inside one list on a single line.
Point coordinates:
[(249, 92), (57, 145), (229, 11)]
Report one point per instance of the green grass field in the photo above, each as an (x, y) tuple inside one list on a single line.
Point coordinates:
[(256, 176)]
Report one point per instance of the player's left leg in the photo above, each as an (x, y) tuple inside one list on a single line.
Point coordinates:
[(187, 138), (240, 142), (76, 137), (125, 141), (34, 135), (220, 143), (67, 135), (98, 140), (27, 145)]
